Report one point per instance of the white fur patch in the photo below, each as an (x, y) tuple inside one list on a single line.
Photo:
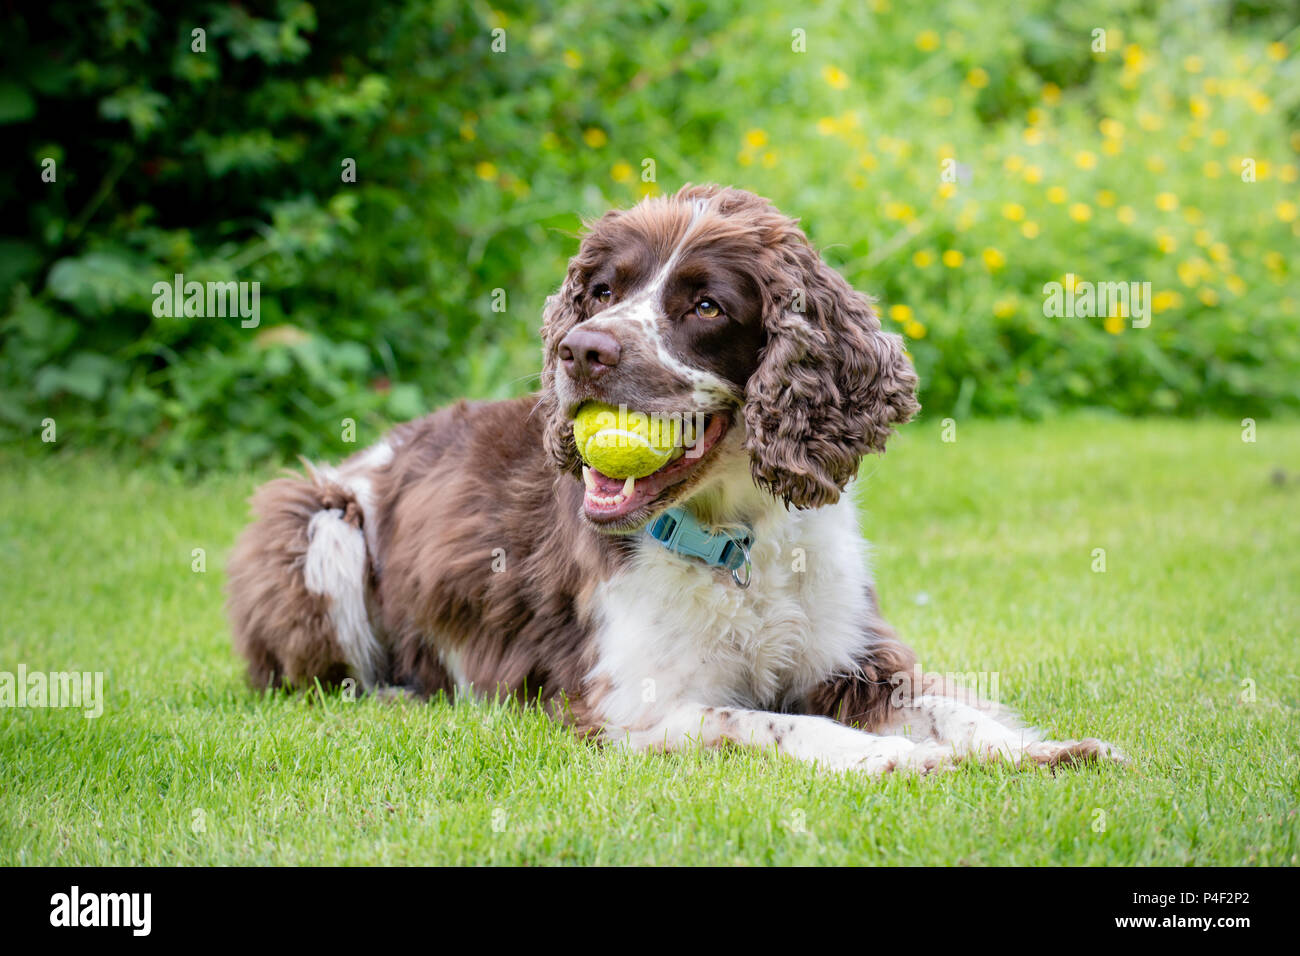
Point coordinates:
[(336, 568), (673, 632)]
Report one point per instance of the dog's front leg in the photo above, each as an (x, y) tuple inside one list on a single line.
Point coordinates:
[(816, 740), (970, 729)]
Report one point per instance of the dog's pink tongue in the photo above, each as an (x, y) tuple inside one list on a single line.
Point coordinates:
[(606, 485)]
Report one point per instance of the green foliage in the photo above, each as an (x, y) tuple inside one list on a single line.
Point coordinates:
[(473, 167)]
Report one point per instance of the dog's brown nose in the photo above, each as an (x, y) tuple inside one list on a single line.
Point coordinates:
[(588, 354)]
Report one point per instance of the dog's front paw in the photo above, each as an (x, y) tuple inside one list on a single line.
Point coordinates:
[(882, 755), (1068, 753)]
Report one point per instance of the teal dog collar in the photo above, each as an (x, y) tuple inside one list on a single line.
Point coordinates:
[(678, 531)]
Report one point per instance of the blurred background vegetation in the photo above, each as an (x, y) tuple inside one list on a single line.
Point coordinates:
[(474, 166)]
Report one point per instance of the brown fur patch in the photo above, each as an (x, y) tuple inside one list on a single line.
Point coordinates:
[(283, 629)]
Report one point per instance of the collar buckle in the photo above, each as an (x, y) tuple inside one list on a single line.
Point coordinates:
[(679, 531)]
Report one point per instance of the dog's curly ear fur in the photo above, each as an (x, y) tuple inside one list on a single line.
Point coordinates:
[(830, 384), (558, 317)]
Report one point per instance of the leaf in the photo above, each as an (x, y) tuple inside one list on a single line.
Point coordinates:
[(98, 282), (16, 104), (86, 376)]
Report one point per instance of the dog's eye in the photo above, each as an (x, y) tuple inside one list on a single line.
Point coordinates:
[(708, 309), (602, 293)]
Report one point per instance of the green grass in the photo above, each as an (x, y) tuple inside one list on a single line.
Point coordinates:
[(984, 553)]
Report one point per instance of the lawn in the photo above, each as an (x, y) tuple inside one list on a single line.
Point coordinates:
[(1182, 652)]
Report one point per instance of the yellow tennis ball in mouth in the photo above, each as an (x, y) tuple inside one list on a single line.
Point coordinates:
[(620, 443)]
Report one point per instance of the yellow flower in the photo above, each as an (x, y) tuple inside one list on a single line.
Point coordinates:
[(927, 41), (900, 211), (756, 138), (900, 313), (1219, 137), (1208, 296), (1111, 128), (1013, 163), (1219, 252), (1051, 94), (1004, 308), (1166, 300), (768, 159), (1149, 121), (1105, 198), (1277, 51), (621, 172), (1202, 237), (1189, 274), (1034, 116), (1286, 210), (1236, 285), (1033, 136), (572, 59), (595, 137), (977, 78), (1013, 211), (835, 77), (1071, 281), (953, 259), (1212, 169), (1156, 164), (1166, 243), (1126, 215), (1199, 108), (1274, 261), (1057, 195), (1259, 102), (827, 125), (1029, 230), (947, 190), (1193, 216), (1193, 64), (1080, 212), (1288, 173), (486, 171), (994, 259), (1114, 324), (1033, 175), (922, 258), (1085, 160), (868, 161), (1166, 202), (914, 330)]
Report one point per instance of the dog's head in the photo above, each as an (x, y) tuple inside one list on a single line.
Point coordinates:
[(712, 303)]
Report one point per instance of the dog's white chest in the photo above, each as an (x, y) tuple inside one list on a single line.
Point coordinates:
[(672, 630)]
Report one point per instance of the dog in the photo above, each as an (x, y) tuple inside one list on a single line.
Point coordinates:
[(723, 599)]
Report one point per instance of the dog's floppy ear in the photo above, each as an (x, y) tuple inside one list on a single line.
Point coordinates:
[(561, 314), (830, 384)]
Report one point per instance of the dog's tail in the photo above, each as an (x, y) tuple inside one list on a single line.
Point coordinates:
[(300, 582)]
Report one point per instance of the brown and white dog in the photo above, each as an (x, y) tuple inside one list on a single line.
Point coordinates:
[(471, 552)]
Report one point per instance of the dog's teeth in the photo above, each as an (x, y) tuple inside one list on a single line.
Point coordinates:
[(587, 478), (628, 486)]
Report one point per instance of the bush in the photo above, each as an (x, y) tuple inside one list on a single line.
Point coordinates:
[(424, 279)]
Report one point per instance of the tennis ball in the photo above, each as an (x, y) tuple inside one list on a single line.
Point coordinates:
[(623, 444)]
